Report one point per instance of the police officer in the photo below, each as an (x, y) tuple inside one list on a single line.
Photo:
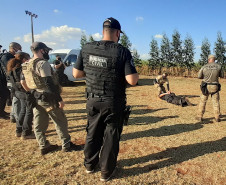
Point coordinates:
[(4, 92), (108, 67), (49, 101), (210, 86), (159, 83), (60, 67)]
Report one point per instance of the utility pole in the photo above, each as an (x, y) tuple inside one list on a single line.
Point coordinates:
[(35, 16)]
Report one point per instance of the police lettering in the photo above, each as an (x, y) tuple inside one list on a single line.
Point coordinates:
[(98, 61)]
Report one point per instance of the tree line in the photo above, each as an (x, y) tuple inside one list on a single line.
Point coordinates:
[(175, 52)]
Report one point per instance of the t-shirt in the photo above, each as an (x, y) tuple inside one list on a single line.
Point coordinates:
[(162, 80), (127, 66), (211, 72)]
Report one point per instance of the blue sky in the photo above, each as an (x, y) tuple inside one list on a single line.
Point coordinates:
[(61, 23)]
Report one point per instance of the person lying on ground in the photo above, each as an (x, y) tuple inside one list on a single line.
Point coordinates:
[(177, 100)]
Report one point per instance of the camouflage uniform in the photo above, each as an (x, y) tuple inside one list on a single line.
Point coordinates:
[(159, 84), (210, 74)]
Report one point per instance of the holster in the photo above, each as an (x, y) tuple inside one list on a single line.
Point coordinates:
[(204, 89), (127, 112)]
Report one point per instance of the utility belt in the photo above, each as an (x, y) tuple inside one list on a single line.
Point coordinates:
[(92, 95), (204, 89)]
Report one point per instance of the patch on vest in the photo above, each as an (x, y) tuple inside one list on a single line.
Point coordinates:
[(98, 61)]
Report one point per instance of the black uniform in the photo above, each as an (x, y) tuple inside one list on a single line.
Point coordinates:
[(177, 100), (105, 64), (4, 91), (25, 117)]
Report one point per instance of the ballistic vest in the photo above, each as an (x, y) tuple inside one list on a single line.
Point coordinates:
[(103, 76), (33, 80)]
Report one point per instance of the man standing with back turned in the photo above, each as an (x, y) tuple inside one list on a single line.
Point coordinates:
[(210, 86), (108, 66)]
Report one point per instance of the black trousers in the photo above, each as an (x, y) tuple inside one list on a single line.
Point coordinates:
[(4, 94), (104, 128), (24, 123)]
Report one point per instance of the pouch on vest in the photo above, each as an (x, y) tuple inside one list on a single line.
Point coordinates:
[(204, 89)]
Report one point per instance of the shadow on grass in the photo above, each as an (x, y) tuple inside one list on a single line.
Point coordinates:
[(75, 102), (162, 131), (212, 119), (143, 82), (146, 111), (189, 96), (75, 111), (147, 120), (174, 155)]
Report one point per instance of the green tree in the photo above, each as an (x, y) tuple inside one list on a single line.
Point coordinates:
[(165, 55), (136, 58), (83, 40), (205, 52), (91, 39), (124, 40), (220, 50), (176, 49), (154, 54), (188, 52)]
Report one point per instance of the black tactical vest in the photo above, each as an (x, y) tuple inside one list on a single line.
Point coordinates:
[(101, 65)]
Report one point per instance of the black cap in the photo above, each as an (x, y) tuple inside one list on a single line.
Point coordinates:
[(39, 45), (113, 23)]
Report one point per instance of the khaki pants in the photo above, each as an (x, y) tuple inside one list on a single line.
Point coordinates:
[(41, 122), (215, 100), (161, 89)]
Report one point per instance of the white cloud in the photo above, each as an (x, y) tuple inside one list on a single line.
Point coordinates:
[(145, 56), (17, 38), (56, 11), (57, 37), (97, 36), (139, 19), (158, 36)]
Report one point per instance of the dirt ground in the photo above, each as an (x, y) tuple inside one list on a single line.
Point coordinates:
[(162, 143)]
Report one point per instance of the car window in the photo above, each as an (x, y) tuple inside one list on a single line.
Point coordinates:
[(71, 59)]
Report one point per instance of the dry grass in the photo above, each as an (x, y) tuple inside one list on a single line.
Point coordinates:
[(163, 144)]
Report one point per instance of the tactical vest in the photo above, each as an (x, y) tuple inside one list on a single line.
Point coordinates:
[(33, 80), (100, 65)]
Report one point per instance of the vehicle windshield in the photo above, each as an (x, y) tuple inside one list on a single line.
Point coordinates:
[(52, 56)]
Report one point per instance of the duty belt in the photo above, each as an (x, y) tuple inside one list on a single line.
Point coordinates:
[(92, 95)]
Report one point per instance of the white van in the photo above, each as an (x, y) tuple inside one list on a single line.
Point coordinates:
[(69, 57)]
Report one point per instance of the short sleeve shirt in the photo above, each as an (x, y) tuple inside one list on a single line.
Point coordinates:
[(162, 80), (127, 65), (43, 68)]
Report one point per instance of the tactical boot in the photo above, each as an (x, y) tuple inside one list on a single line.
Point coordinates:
[(72, 147), (49, 149)]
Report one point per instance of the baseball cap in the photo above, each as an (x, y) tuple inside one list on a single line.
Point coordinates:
[(211, 56), (39, 45), (113, 23)]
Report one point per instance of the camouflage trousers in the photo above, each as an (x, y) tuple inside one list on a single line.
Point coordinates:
[(41, 122), (161, 89), (215, 100)]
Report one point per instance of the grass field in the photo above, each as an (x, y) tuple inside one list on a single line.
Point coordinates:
[(162, 144)]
